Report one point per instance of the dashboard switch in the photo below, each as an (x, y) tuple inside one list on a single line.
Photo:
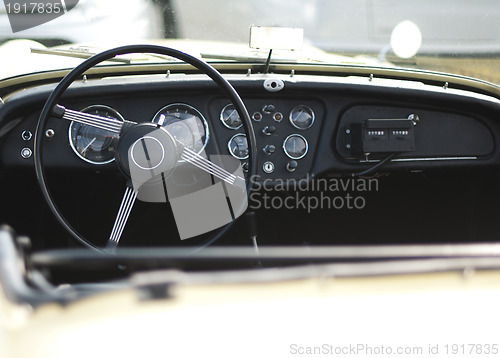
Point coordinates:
[(26, 135), (269, 130), (268, 108), (291, 166), (269, 149)]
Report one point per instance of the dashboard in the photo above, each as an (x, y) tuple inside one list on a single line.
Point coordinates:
[(436, 143), (302, 128)]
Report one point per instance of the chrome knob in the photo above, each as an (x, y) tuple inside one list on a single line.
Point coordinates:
[(269, 130), (291, 166), (269, 149)]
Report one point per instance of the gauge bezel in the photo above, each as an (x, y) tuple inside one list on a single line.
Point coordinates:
[(229, 145), (201, 116), (101, 106), (288, 154), (309, 109), (222, 119)]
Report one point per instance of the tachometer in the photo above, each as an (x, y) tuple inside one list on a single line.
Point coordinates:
[(185, 123), (94, 145)]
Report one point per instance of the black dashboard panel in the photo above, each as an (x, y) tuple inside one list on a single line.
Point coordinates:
[(458, 132), (455, 128), (438, 134)]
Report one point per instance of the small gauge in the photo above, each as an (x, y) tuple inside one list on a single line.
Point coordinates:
[(295, 146), (238, 146), (302, 117), (94, 145), (230, 117), (185, 123)]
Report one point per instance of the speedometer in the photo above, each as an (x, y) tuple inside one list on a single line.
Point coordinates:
[(185, 123), (94, 145)]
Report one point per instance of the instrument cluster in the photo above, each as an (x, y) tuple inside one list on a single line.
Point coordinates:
[(285, 132)]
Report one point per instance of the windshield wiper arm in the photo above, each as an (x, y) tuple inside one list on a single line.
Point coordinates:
[(76, 53), (85, 53)]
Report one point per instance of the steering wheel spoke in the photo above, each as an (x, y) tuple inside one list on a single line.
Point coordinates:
[(210, 167), (94, 120), (121, 218)]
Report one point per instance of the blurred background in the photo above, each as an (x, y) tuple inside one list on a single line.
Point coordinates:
[(460, 37)]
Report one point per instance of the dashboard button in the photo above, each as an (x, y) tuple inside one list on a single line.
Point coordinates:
[(26, 153), (291, 166), (50, 133), (257, 116), (268, 167)]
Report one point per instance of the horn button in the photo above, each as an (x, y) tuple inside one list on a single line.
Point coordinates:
[(146, 149)]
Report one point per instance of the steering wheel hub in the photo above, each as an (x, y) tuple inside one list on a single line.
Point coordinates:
[(146, 149), (147, 153)]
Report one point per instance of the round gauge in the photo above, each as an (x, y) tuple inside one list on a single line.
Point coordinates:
[(238, 146), (181, 132), (295, 146), (230, 117), (94, 145), (302, 117), (185, 123)]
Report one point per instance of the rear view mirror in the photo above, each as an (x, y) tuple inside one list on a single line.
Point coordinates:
[(276, 38)]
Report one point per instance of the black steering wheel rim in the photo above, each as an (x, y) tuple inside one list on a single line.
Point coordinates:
[(101, 57)]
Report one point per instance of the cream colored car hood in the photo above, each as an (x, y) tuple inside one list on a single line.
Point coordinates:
[(267, 320)]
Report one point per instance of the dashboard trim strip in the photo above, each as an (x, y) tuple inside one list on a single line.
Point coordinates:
[(420, 159)]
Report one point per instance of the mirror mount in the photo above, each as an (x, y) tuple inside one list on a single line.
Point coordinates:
[(278, 38)]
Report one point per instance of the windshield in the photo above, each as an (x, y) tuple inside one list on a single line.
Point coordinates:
[(452, 36)]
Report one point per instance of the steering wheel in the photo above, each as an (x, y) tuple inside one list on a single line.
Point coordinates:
[(139, 143)]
